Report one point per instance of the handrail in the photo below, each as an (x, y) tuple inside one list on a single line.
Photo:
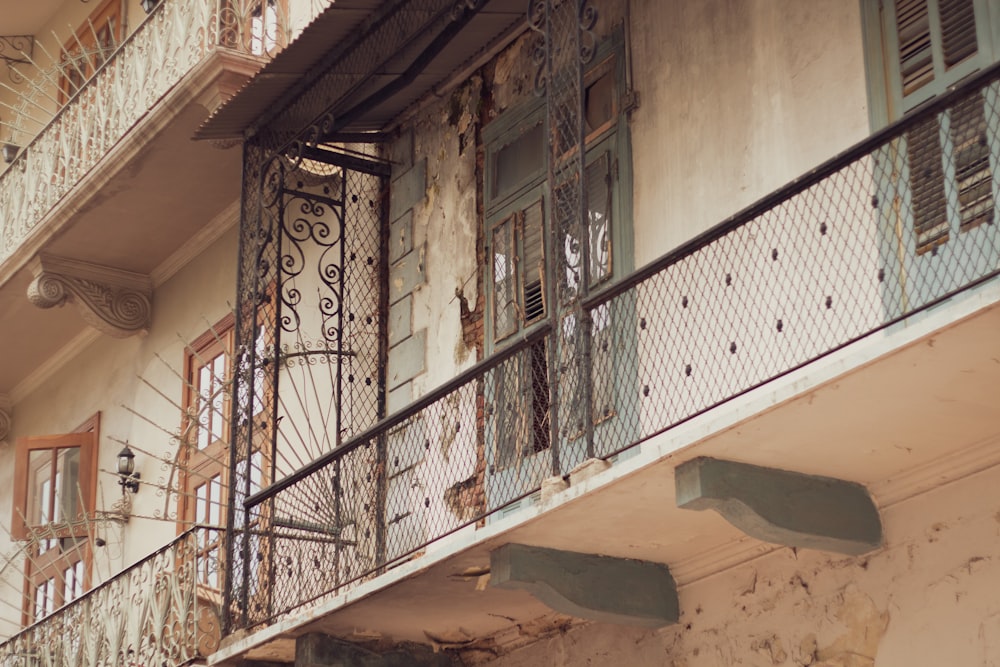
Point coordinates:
[(120, 603), (835, 255), (151, 60)]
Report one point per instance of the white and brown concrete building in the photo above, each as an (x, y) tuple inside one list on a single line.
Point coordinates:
[(442, 319)]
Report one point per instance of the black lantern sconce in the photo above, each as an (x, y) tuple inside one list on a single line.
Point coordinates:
[(148, 5), (9, 152), (128, 478)]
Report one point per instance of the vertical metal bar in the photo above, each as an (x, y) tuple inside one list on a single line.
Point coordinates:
[(566, 50), (229, 594), (382, 446), (278, 233)]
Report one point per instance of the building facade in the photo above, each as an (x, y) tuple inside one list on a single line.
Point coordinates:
[(433, 342)]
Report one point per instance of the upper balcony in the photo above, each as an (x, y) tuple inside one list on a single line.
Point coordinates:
[(844, 325), (112, 177)]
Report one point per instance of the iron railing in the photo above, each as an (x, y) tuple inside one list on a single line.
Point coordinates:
[(169, 43), (892, 226), (164, 610)]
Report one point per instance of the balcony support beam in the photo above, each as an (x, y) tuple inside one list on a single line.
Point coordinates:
[(319, 650), (115, 302), (783, 507), (598, 588)]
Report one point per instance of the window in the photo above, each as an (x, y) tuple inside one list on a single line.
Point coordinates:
[(90, 47), (924, 47), (54, 490), (206, 442), (521, 260)]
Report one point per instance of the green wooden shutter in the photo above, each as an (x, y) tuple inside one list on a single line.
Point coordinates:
[(936, 43)]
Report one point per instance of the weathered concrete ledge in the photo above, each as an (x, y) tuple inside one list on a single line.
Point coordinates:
[(589, 586), (783, 507)]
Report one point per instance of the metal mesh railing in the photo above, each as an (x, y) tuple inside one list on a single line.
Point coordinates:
[(164, 610), (894, 225)]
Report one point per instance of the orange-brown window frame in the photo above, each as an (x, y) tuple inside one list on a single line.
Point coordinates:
[(57, 547), (203, 463), (108, 16)]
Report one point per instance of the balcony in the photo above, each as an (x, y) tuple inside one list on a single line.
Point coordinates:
[(844, 325), (113, 178), (157, 612)]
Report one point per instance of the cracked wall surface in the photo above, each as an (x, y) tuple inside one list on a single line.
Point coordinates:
[(928, 598)]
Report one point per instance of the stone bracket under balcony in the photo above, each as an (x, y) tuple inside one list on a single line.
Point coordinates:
[(598, 588), (115, 302), (783, 507)]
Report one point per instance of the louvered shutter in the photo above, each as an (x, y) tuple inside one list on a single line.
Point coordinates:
[(533, 241), (936, 45)]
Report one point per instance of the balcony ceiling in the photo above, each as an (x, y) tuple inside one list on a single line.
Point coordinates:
[(140, 209), (26, 17), (303, 62)]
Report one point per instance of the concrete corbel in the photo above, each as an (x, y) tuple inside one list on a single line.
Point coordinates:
[(113, 301), (589, 586), (783, 507)]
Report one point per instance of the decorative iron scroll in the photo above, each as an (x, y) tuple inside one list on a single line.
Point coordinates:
[(16, 50), (564, 46), (177, 36), (832, 257), (154, 613)]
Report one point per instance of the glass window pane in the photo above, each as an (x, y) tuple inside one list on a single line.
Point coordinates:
[(504, 303), (600, 101), (68, 492), (599, 212), (518, 161), (39, 506)]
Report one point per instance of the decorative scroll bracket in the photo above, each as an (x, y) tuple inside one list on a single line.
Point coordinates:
[(16, 50), (115, 302)]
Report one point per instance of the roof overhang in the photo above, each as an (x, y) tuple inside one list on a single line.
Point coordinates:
[(362, 63)]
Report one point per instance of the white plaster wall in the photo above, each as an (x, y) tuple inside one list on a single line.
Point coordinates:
[(928, 598), (445, 226), (737, 97), (105, 377)]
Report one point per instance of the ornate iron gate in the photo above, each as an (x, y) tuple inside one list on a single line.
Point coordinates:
[(310, 358)]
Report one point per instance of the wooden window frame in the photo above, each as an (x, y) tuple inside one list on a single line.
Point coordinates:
[(62, 546), (944, 172), (109, 13), (204, 463)]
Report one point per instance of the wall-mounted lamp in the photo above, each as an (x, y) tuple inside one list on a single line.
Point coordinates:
[(148, 5), (128, 478), (10, 152)]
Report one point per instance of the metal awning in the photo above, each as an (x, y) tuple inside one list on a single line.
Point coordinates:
[(364, 61)]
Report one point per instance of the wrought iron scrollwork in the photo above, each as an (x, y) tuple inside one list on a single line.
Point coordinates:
[(588, 41), (318, 222), (16, 50)]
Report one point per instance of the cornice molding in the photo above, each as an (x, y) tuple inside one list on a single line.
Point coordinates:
[(115, 302)]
